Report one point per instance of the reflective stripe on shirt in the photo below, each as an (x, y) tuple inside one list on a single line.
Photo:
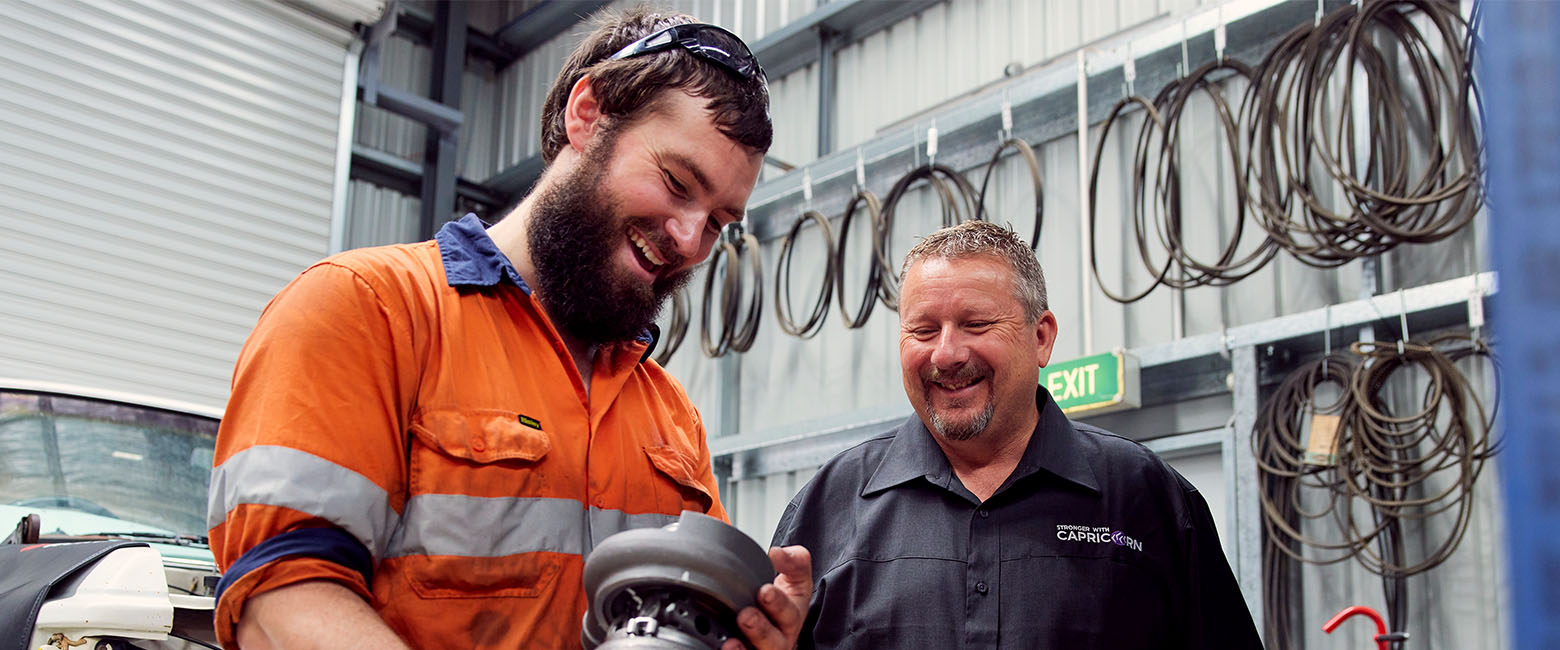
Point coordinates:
[(440, 524), (432, 524), (282, 476)]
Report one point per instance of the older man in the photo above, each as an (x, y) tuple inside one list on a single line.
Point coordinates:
[(989, 520), (425, 441)]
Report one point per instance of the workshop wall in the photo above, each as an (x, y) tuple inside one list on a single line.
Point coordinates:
[(167, 167), (786, 388)]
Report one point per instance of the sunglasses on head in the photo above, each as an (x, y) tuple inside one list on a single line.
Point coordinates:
[(705, 41)]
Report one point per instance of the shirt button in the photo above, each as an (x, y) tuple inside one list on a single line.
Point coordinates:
[(980, 587), (478, 444), (984, 514)]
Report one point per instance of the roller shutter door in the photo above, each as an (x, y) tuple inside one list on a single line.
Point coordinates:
[(165, 168)]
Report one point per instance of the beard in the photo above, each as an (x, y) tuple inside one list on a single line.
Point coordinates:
[(946, 426), (573, 237)]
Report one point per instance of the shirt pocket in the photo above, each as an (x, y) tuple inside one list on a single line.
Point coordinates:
[(527, 575), (480, 453), (678, 487), (471, 473), (481, 435)]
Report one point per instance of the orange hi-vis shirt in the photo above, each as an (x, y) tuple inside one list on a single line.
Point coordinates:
[(405, 421)]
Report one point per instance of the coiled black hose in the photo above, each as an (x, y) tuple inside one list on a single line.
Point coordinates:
[(869, 296), (1033, 163), (676, 329), (783, 309), (1391, 468), (735, 335)]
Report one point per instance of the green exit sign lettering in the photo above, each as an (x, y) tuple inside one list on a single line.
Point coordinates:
[(1094, 384)]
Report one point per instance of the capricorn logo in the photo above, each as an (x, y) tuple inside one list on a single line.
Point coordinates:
[(1121, 539)]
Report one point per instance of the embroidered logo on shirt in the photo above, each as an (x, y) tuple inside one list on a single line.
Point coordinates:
[(1096, 535), (530, 422)]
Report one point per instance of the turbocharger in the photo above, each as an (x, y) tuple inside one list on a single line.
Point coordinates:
[(673, 588)]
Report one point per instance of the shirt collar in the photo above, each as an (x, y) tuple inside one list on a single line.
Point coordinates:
[(1055, 447), (471, 259)]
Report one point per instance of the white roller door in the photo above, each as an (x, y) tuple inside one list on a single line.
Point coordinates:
[(165, 168)]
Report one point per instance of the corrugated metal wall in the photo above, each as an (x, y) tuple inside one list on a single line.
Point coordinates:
[(912, 71), (512, 116), (166, 167), (957, 46)]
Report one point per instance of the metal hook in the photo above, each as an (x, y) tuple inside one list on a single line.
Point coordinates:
[(1219, 35), (1007, 119), (807, 192), (861, 172), (1326, 337), (931, 143), (1186, 66), (1476, 313), (1129, 71), (1402, 319)]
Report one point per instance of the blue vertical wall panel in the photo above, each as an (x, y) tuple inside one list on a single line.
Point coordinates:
[(1522, 91)]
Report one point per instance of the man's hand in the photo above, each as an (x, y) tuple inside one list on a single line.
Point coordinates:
[(784, 603)]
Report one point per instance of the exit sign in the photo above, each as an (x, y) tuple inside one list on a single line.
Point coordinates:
[(1094, 384)]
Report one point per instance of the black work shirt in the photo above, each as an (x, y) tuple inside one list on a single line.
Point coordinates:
[(1092, 542)]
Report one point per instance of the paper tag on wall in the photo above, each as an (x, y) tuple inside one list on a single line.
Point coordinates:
[(1322, 446)]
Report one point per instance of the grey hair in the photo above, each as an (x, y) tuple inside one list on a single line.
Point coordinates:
[(975, 238)]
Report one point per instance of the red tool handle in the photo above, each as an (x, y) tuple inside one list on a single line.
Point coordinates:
[(1381, 624)]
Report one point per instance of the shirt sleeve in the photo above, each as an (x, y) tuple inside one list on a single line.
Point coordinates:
[(309, 469), (1217, 616)]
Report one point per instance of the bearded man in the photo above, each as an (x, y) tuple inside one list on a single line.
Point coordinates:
[(424, 441), (990, 520)]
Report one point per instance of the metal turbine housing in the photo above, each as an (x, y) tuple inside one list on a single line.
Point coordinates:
[(673, 588)]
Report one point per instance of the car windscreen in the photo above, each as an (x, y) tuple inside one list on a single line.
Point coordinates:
[(143, 466)]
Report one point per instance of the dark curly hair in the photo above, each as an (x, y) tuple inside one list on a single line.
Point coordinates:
[(626, 87)]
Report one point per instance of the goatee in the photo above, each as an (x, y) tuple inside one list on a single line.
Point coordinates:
[(954, 430)]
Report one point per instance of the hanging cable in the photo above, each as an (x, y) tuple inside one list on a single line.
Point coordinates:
[(869, 296), (1033, 163), (725, 259), (1304, 142), (1298, 147), (735, 335), (957, 199), (1172, 101), (677, 329), (1280, 447), (1140, 231), (1388, 468), (743, 335), (783, 308)]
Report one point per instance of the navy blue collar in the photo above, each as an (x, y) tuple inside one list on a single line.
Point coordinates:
[(471, 259)]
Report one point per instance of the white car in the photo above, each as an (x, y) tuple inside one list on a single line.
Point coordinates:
[(103, 522)]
